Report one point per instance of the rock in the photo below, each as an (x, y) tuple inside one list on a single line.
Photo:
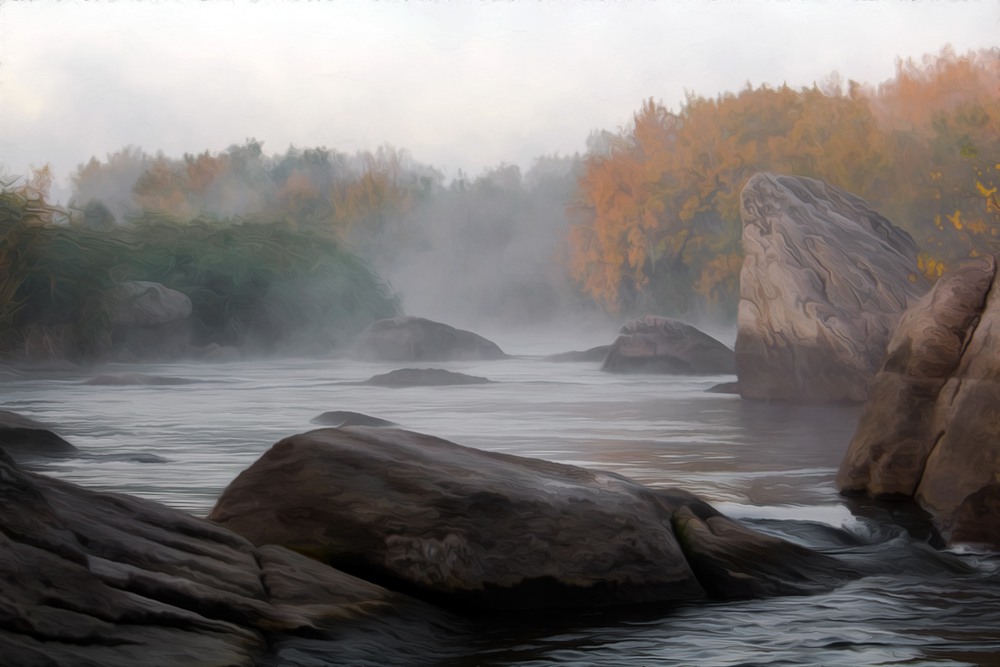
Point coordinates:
[(661, 345), (493, 531), (347, 418), (22, 437), (824, 281), (424, 377), (408, 338), (136, 379), (105, 579), (724, 388), (143, 304), (596, 354), (930, 429)]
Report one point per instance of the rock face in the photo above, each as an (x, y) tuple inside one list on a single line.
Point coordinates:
[(661, 345), (424, 377), (408, 338), (489, 530), (22, 437), (105, 579), (824, 281), (931, 428)]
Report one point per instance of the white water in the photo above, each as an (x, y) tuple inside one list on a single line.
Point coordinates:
[(772, 465)]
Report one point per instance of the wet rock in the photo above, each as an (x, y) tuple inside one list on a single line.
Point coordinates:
[(338, 418), (493, 531), (930, 428), (408, 338), (661, 345), (424, 377), (136, 379), (22, 437), (824, 281), (104, 579), (595, 354)]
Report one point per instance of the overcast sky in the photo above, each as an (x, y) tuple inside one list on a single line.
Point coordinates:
[(460, 85)]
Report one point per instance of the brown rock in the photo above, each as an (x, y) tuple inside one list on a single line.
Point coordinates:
[(824, 281), (661, 345)]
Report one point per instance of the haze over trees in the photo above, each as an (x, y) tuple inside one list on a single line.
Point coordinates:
[(647, 221)]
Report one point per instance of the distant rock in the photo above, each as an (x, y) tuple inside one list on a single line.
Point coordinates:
[(106, 579), (22, 437), (930, 428), (424, 377), (724, 388), (348, 418), (408, 338), (144, 304), (136, 379), (824, 280), (496, 531), (660, 345), (594, 354)]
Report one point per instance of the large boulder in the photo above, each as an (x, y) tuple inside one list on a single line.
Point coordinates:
[(105, 579), (23, 437), (489, 530), (150, 321), (660, 345), (930, 428), (408, 338), (824, 281)]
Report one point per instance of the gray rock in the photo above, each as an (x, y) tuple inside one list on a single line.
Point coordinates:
[(661, 345), (136, 379), (492, 530), (347, 418), (408, 338), (824, 281), (22, 437), (596, 354), (424, 377), (929, 429), (143, 304), (105, 579)]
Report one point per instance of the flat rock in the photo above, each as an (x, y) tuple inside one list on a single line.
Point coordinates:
[(929, 429), (661, 345), (824, 280), (492, 531), (407, 338), (136, 379), (424, 377), (595, 354)]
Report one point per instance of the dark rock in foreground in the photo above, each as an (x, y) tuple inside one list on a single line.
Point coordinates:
[(105, 579), (661, 345), (22, 437), (408, 338), (824, 281), (339, 418), (424, 377), (490, 530), (929, 429)]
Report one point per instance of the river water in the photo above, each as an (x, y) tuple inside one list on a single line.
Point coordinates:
[(771, 466)]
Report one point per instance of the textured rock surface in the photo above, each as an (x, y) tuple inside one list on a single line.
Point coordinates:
[(423, 377), (22, 437), (661, 345), (144, 304), (824, 281), (493, 530), (931, 428), (104, 579), (408, 338)]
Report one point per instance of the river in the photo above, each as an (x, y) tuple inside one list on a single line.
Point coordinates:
[(771, 466)]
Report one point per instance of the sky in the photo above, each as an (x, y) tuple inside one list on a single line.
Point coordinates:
[(460, 85)]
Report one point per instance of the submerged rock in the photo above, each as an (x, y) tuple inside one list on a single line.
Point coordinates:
[(929, 429), (105, 579), (22, 437), (136, 379), (489, 530), (348, 418), (661, 345), (596, 354), (407, 338), (824, 281), (424, 377)]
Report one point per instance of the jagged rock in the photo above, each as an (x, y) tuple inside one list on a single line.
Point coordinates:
[(490, 530), (930, 428), (424, 377), (824, 281), (105, 579), (407, 338), (22, 437), (661, 345)]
